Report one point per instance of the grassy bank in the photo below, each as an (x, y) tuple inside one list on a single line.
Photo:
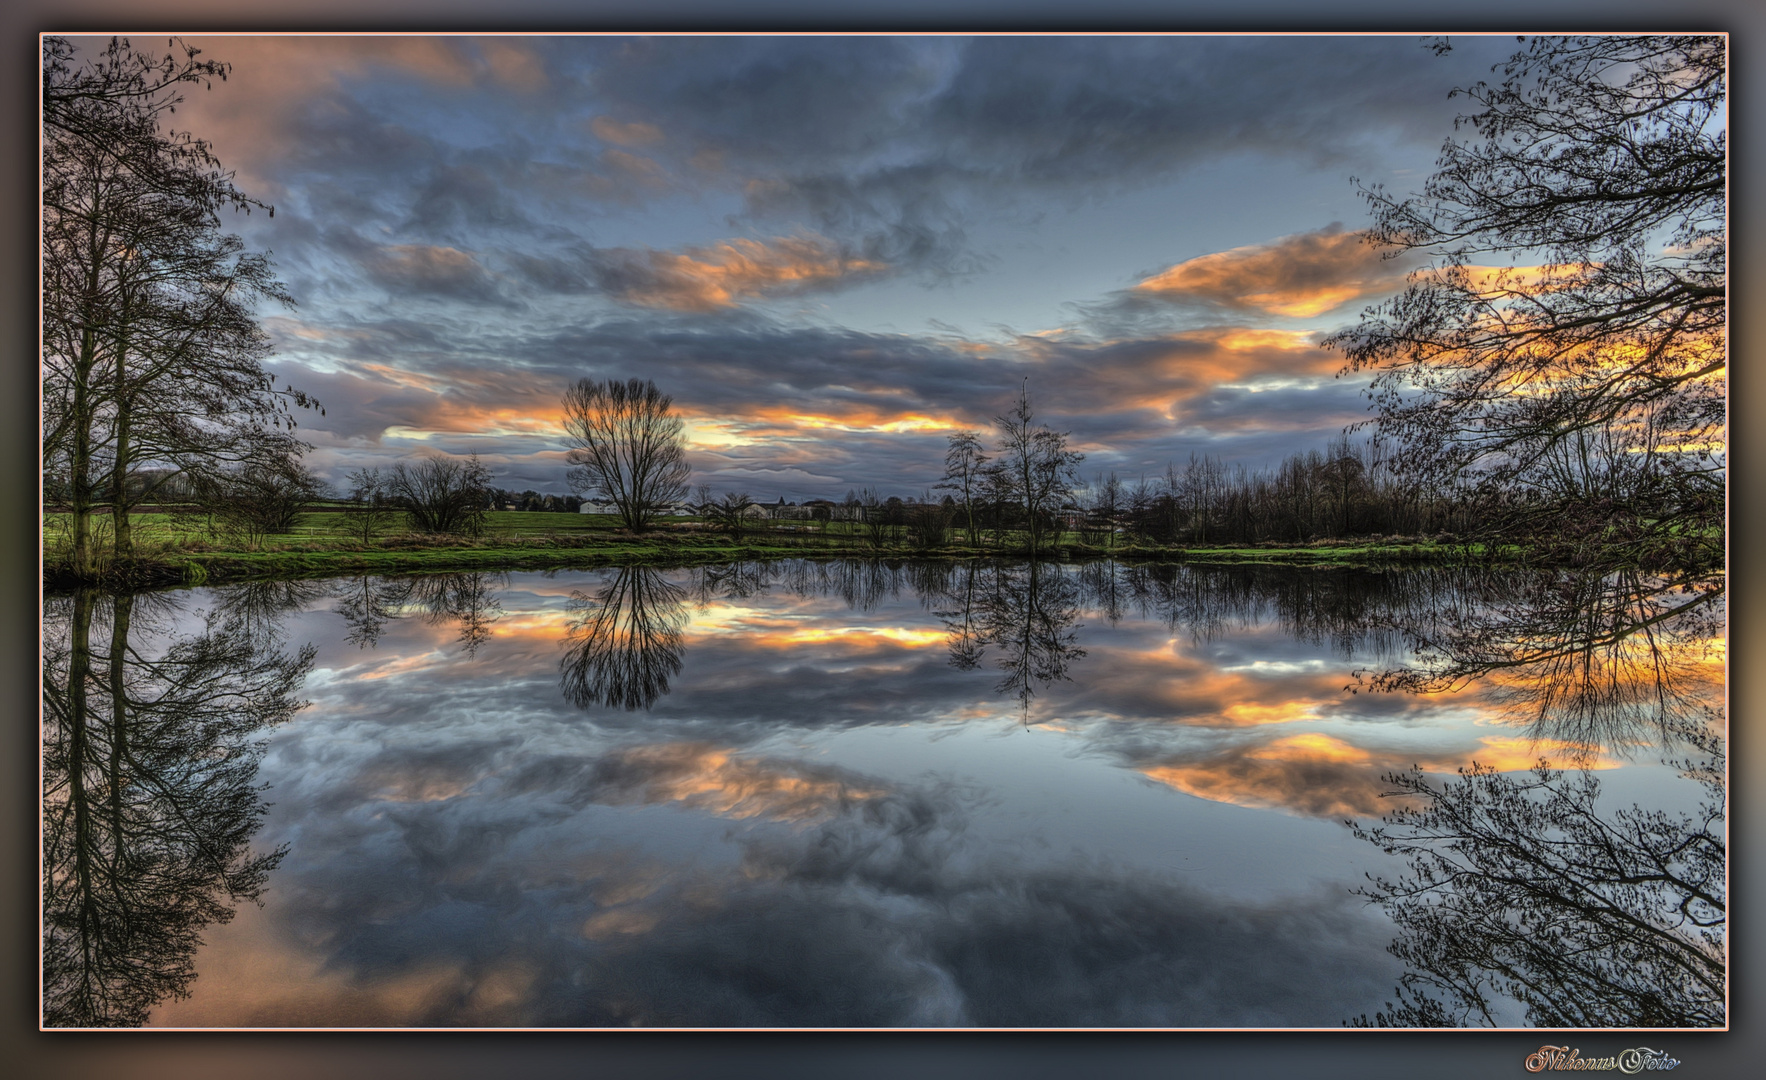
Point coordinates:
[(173, 550)]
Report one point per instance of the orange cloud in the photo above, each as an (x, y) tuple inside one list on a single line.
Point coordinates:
[(721, 275), (1319, 775), (1296, 276), (715, 780)]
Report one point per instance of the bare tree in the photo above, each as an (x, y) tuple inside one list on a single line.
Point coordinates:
[(443, 494), (261, 497), (729, 513), (151, 350), (963, 466), (1035, 469), (1582, 399), (626, 444), (371, 506)]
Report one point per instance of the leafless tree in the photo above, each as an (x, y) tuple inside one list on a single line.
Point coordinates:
[(371, 505), (964, 462), (626, 444), (1581, 399), (1035, 469), (260, 497), (729, 513), (152, 354), (443, 494)]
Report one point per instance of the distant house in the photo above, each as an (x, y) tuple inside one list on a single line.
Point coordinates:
[(603, 506)]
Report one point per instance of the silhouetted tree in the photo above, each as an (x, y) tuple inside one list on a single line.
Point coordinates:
[(1581, 402), (262, 497), (442, 494), (371, 505), (730, 513), (152, 354), (964, 463), (1034, 469), (626, 443)]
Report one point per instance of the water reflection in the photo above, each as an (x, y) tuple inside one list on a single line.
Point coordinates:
[(150, 759), (368, 603), (1607, 661), (624, 642), (873, 792), (1521, 888), (1028, 612)]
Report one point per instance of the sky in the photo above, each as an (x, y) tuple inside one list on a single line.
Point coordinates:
[(832, 251)]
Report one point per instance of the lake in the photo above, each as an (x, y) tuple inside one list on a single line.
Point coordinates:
[(849, 793)]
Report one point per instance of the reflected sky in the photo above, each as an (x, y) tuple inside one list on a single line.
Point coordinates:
[(827, 806)]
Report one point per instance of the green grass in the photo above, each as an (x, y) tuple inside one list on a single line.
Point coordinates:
[(171, 550)]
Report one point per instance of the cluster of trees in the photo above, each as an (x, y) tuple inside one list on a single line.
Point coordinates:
[(1578, 403), (1350, 489), (531, 500), (152, 352)]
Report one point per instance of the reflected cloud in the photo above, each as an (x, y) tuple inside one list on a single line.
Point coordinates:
[(1321, 775), (866, 908), (715, 780)]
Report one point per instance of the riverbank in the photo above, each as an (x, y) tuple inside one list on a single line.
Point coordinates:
[(161, 566)]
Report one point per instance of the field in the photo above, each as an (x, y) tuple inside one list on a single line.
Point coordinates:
[(181, 548)]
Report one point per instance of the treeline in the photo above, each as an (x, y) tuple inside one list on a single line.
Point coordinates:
[(1349, 490)]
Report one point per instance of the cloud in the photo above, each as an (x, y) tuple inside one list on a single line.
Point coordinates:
[(767, 398), (518, 906), (1320, 775), (427, 270), (1298, 276), (702, 279), (612, 131)]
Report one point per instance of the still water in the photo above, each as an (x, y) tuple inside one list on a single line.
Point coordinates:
[(857, 794)]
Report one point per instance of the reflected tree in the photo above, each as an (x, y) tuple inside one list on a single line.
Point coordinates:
[(366, 604), (1520, 889), (259, 609), (468, 599), (149, 799), (733, 580), (1027, 612), (1606, 661), (624, 643)]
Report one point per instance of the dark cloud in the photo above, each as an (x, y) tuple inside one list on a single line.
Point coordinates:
[(510, 910), (476, 218)]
